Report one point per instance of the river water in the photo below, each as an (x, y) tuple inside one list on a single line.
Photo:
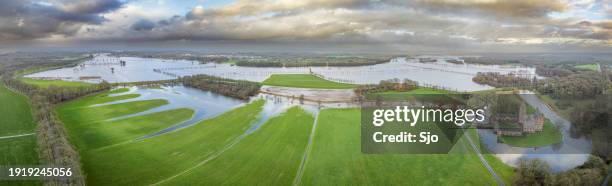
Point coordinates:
[(440, 73)]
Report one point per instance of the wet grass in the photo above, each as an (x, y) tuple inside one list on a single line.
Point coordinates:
[(336, 159), (304, 81), (269, 156)]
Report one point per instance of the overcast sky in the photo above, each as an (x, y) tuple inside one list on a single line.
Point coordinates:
[(394, 25)]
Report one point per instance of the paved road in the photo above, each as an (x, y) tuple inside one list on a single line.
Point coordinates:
[(298, 176), (15, 136), (484, 161)]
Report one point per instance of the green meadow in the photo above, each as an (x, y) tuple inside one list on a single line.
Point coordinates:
[(57, 83), (15, 112), (16, 119), (592, 67), (336, 159), (304, 81)]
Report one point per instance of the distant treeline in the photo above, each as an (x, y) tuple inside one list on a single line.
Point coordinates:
[(574, 86), (233, 88), (489, 61), (53, 145)]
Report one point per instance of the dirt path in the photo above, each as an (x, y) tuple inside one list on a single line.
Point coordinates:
[(16, 136), (298, 176), (484, 161)]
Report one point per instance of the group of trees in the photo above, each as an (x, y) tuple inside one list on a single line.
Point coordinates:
[(496, 79), (537, 172), (362, 91), (555, 70), (575, 86), (233, 88), (387, 85)]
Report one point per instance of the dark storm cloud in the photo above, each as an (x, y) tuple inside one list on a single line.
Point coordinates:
[(143, 25), (27, 19)]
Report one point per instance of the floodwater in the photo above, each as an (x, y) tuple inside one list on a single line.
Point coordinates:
[(204, 103), (441, 74)]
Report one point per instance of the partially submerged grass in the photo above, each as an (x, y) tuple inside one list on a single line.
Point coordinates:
[(304, 81), (110, 155), (269, 156)]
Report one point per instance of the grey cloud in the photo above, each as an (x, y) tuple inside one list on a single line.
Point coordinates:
[(27, 19), (143, 25)]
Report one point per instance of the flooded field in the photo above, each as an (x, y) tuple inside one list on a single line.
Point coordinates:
[(440, 73)]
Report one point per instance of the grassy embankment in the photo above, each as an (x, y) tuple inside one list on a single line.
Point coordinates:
[(336, 159), (548, 136), (16, 119), (304, 81)]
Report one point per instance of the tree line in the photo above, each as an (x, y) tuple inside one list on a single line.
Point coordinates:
[(233, 88)]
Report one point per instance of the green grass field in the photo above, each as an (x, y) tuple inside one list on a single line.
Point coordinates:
[(269, 156), (213, 152), (58, 83), (110, 154), (15, 113), (336, 159), (304, 81), (592, 67), (16, 119), (548, 136)]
